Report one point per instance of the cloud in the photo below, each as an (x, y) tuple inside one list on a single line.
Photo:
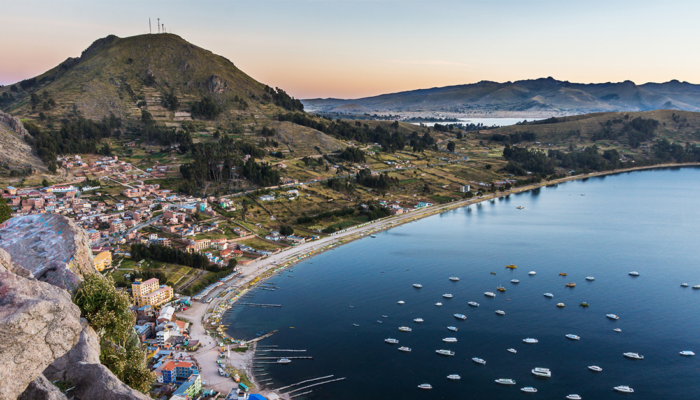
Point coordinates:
[(431, 62)]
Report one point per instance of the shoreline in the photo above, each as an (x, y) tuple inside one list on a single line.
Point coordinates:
[(261, 271)]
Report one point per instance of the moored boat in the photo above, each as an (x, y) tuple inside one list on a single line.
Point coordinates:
[(590, 278), (571, 284), (623, 389), (530, 340), (284, 361), (454, 279), (404, 329), (573, 397), (634, 273), (512, 351), (687, 353), (573, 337), (618, 330), (612, 316), (405, 349), (548, 295), (595, 368), (454, 377), (473, 304), (542, 372), (449, 340), (479, 360), (561, 305), (514, 281), (684, 284), (584, 304), (425, 386), (505, 381), (417, 285), (489, 294), (528, 389), (447, 296), (633, 356), (418, 320), (452, 328), (438, 304), (391, 341), (449, 353), (500, 312), (696, 286), (511, 266), (562, 274), (501, 289), (401, 302), (532, 273), (460, 316)]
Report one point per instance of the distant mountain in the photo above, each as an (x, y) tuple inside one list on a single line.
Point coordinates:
[(545, 96)]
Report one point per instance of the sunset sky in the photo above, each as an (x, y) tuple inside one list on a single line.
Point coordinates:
[(357, 48)]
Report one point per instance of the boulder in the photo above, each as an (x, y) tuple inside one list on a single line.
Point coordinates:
[(42, 389), (39, 324), (90, 379), (52, 247)]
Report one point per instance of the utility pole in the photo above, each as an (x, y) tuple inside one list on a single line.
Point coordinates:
[(149, 26), (158, 25)]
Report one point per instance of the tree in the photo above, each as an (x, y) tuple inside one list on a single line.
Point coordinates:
[(232, 262), (5, 211), (459, 135), (286, 230), (245, 209), (45, 183), (106, 150), (451, 146)]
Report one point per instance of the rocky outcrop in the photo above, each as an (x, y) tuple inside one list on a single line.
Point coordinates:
[(50, 246), (42, 389), (89, 379), (215, 84), (14, 123), (39, 324)]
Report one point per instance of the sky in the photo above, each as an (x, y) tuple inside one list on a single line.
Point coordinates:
[(358, 48)]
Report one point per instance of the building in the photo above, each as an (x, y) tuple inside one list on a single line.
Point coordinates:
[(151, 293), (464, 189), (178, 371), (102, 260), (190, 389)]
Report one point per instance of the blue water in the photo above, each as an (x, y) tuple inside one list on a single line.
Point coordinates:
[(642, 221)]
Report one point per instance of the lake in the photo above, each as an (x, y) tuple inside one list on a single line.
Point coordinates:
[(487, 122), (605, 227)]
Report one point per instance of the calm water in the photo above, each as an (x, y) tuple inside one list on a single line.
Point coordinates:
[(486, 121), (642, 221)]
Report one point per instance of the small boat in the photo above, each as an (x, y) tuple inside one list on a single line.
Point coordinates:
[(405, 349), (514, 281), (489, 294), (571, 284), (561, 305), (548, 295), (505, 381), (449, 340), (351, 306), (595, 368), (562, 274), (633, 356), (623, 389), (574, 396), (391, 341), (404, 329), (454, 377), (401, 302), (532, 273), (284, 361), (454, 279), (438, 304), (512, 351), (425, 386), (520, 207), (418, 320), (417, 285), (634, 273), (379, 321), (583, 304), (618, 330), (452, 328), (542, 372), (687, 353), (447, 296), (373, 236), (590, 278), (473, 304), (696, 286), (385, 316), (511, 266), (500, 312), (461, 316), (612, 316), (355, 324), (479, 360), (528, 389), (449, 353), (530, 341), (684, 284), (493, 273), (573, 337), (501, 289)]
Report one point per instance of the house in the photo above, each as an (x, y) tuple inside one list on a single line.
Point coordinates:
[(150, 292), (102, 260), (464, 188), (175, 371), (190, 389), (266, 198)]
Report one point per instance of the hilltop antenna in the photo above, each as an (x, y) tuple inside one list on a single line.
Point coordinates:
[(158, 25)]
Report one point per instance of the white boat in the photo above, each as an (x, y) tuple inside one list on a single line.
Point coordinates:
[(447, 296), (445, 352), (528, 389), (391, 341), (452, 328), (479, 360), (454, 377), (385, 316), (590, 278), (512, 351), (684, 284), (425, 386), (514, 281), (623, 389), (449, 340), (696, 286), (573, 337), (500, 312), (633, 356), (454, 279), (417, 285), (532, 273), (418, 320), (461, 316), (404, 329), (612, 316), (530, 341), (548, 295), (402, 302), (379, 321), (489, 294), (618, 330), (595, 368), (634, 273), (561, 305), (284, 361), (405, 349), (373, 236), (438, 304), (574, 397), (542, 372), (505, 381), (355, 324), (687, 353), (473, 304)]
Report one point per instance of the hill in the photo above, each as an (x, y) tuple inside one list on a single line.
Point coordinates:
[(538, 97)]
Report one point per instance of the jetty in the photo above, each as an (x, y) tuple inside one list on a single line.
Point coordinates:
[(306, 381), (316, 384), (261, 305)]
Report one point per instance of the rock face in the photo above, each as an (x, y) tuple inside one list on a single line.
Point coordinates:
[(39, 324), (14, 123), (15, 153), (50, 246), (91, 380), (42, 389)]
